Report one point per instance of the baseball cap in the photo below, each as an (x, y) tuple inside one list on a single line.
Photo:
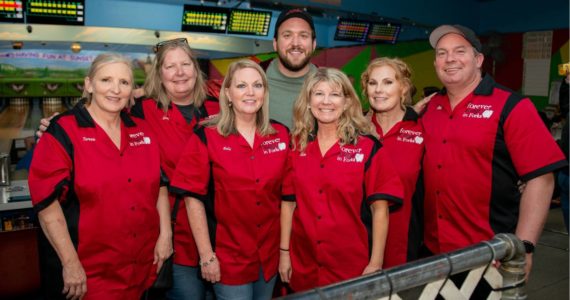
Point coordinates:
[(467, 33), (294, 13)]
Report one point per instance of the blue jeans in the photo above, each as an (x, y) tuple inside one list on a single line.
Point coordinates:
[(257, 290), (563, 183), (188, 284)]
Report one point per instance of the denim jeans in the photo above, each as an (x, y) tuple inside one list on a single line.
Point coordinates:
[(563, 183), (257, 290), (188, 284)]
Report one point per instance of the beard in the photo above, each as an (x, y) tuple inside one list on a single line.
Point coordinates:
[(291, 66)]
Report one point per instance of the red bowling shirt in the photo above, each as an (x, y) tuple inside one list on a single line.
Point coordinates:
[(404, 143), (241, 188), (173, 132), (474, 157), (108, 197), (332, 222)]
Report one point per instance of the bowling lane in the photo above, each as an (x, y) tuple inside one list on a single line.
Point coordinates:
[(12, 121)]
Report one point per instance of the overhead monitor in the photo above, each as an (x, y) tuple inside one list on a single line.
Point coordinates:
[(351, 30), (11, 11), (384, 33), (58, 12), (250, 22), (205, 19)]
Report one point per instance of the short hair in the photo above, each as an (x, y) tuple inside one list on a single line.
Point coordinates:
[(225, 120), (403, 75), (102, 60), (352, 122), (153, 86)]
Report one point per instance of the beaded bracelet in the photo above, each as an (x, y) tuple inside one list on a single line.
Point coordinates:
[(206, 263)]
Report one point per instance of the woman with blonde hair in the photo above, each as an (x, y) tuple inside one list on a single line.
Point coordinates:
[(339, 187), (386, 83), (230, 174), (94, 181)]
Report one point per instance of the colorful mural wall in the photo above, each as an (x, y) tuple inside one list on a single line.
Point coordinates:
[(51, 73), (419, 55)]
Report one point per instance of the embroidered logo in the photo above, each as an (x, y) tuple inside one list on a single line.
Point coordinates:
[(350, 155), (226, 148), (478, 111), (410, 136), (88, 139), (138, 139), (272, 146)]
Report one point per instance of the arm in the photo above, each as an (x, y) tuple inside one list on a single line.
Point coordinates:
[(534, 205), (54, 227), (287, 209), (163, 247), (379, 234), (209, 264)]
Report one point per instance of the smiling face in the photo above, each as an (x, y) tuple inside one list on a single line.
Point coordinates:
[(456, 62), (385, 92), (178, 75), (327, 103), (110, 88), (246, 92), (294, 44)]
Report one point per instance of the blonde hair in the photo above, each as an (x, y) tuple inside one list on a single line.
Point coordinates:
[(403, 76), (104, 59), (351, 123), (153, 86), (225, 120)]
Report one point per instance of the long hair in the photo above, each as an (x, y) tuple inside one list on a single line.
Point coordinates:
[(225, 120), (403, 76), (101, 60), (351, 123), (153, 86)]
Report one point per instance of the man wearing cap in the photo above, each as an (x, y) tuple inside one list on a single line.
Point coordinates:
[(294, 41), (480, 140)]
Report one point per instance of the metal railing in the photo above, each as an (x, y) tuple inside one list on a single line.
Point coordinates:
[(507, 282)]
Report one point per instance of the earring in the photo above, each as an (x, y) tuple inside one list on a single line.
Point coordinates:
[(230, 104)]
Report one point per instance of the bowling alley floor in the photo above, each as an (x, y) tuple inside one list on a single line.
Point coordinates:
[(549, 276)]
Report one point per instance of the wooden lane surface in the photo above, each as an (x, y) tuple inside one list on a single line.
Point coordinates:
[(12, 120)]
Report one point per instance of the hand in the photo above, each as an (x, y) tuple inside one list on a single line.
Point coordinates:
[(137, 93), (162, 250), (285, 269), (44, 123), (211, 269), (421, 105), (74, 280), (371, 268), (528, 266)]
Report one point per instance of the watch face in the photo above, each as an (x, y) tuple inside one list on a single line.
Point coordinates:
[(528, 246)]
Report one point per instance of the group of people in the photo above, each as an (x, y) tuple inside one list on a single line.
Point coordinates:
[(330, 195)]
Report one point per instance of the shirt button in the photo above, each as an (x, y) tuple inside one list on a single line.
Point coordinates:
[(318, 242), (451, 117), (322, 166), (439, 166), (444, 141), (320, 191), (132, 208), (437, 193), (252, 157), (439, 216), (257, 180), (258, 203), (129, 180), (319, 217), (258, 225), (121, 155)]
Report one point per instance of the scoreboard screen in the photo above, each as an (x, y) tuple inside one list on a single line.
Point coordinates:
[(58, 12), (205, 19), (351, 30), (249, 22), (384, 33), (11, 11)]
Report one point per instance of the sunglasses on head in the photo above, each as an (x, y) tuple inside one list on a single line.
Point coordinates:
[(177, 41)]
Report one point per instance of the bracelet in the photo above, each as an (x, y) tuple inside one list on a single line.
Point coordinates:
[(283, 249), (211, 260)]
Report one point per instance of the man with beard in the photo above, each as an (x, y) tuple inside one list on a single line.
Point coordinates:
[(294, 41)]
